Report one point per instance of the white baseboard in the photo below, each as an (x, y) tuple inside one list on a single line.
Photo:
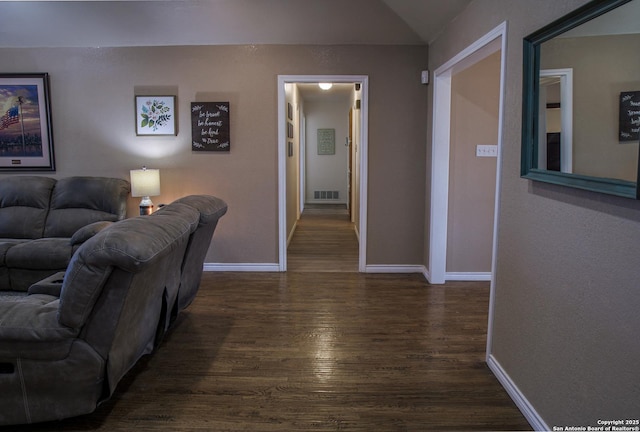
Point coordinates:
[(266, 267), (293, 231), (241, 267), (525, 407), (390, 268), (377, 268), (426, 274), (467, 276)]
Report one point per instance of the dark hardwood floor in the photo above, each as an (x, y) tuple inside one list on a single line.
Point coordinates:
[(315, 351), (324, 241)]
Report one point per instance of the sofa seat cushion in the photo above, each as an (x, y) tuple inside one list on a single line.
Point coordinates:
[(40, 254), (5, 245), (12, 295), (29, 328)]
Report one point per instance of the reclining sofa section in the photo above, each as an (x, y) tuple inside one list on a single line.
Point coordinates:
[(44, 220), (62, 353)]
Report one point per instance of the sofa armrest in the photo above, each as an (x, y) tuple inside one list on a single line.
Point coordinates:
[(51, 285), (86, 232)]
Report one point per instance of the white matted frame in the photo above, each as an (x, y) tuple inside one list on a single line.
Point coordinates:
[(156, 115)]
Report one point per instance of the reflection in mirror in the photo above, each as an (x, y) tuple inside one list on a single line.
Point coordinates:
[(605, 58), (555, 135), (581, 100)]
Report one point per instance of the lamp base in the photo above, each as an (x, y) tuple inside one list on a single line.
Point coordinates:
[(146, 210), (146, 206)]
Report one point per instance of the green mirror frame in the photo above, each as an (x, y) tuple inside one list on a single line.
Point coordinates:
[(531, 89)]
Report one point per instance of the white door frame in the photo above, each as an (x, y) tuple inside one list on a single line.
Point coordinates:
[(363, 80), (566, 109), (482, 48)]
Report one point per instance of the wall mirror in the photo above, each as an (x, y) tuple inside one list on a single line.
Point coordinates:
[(581, 99)]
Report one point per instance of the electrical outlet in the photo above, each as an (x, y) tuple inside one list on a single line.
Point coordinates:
[(486, 150)]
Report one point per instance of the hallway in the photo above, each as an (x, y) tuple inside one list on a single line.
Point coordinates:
[(324, 241)]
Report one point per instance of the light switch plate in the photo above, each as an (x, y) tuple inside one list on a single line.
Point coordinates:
[(483, 150)]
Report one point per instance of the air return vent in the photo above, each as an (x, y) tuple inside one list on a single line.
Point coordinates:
[(326, 195)]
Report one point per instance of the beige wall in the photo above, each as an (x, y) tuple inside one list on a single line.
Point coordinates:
[(93, 89), (566, 319), (475, 94), (603, 67)]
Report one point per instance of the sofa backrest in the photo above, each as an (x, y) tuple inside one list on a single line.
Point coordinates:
[(131, 245), (79, 201), (211, 209), (24, 205)]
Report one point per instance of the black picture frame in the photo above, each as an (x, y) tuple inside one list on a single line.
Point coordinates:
[(210, 127), (26, 134)]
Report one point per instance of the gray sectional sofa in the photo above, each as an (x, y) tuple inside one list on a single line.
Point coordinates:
[(66, 344), (43, 221)]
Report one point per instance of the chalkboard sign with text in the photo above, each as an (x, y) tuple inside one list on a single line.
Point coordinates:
[(629, 116), (210, 126)]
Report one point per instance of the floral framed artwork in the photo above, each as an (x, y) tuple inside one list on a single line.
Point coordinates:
[(156, 115), (26, 137)]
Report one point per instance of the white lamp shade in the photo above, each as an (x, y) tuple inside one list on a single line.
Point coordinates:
[(145, 182)]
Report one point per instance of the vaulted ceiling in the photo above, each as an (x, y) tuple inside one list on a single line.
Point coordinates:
[(213, 22)]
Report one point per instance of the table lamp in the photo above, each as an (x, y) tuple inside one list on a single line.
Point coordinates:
[(145, 183)]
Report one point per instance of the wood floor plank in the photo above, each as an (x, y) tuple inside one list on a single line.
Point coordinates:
[(316, 350)]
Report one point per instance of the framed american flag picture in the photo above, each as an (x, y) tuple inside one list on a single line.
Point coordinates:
[(26, 137)]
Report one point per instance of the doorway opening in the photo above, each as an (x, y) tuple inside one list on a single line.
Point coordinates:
[(293, 129), (492, 44)]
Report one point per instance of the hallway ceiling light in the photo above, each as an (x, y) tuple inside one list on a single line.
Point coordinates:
[(325, 86)]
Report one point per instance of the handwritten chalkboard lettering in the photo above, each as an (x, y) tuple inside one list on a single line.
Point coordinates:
[(224, 108), (209, 132), (195, 108), (224, 145), (206, 122), (626, 98), (634, 104), (633, 113), (635, 121)]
